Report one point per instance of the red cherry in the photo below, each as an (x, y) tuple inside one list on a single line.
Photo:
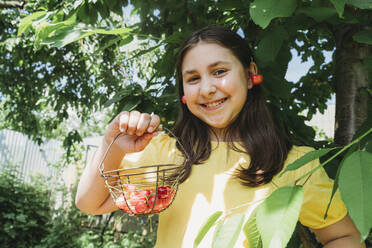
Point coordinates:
[(257, 79), (141, 206), (151, 201), (146, 193), (158, 208), (167, 201), (121, 203), (162, 192)]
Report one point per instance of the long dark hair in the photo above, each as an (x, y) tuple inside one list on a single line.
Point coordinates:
[(261, 139)]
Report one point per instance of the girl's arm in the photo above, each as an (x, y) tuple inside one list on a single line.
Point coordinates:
[(92, 196), (340, 234), (137, 129)]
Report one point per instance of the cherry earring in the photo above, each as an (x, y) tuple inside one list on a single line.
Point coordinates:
[(253, 71), (257, 79), (183, 99)]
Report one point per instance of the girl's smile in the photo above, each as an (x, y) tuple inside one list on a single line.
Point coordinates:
[(215, 84), (213, 105)]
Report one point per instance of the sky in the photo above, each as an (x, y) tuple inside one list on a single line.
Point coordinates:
[(297, 69)]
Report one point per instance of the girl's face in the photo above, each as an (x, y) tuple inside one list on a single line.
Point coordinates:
[(215, 84)]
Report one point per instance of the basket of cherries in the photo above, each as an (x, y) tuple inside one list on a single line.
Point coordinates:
[(148, 190), (143, 190)]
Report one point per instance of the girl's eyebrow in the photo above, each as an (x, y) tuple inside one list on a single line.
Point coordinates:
[(220, 62)]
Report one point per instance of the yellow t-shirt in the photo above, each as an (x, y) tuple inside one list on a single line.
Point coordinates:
[(212, 187)]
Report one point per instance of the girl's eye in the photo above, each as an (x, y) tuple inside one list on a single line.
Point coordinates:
[(219, 72), (192, 79)]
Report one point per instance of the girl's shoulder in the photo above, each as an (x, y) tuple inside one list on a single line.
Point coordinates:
[(298, 151), (295, 153)]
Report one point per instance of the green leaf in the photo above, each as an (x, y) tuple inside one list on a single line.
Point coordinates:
[(25, 23), (112, 100), (339, 5), (93, 13), (319, 14), (175, 38), (206, 226), (355, 187), (335, 187), (251, 232), (44, 29), (131, 104), (65, 37), (103, 9), (227, 233), (142, 52), (125, 41), (83, 12), (78, 32), (263, 11), (361, 4), (364, 36), (308, 157), (368, 147), (111, 4), (270, 44), (278, 214), (367, 63)]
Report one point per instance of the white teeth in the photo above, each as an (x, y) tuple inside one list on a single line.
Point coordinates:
[(214, 104)]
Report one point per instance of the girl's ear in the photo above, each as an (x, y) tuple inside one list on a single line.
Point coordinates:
[(253, 68), (249, 78)]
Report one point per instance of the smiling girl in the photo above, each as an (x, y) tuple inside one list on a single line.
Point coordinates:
[(236, 151)]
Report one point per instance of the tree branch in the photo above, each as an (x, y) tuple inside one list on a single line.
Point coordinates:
[(11, 4)]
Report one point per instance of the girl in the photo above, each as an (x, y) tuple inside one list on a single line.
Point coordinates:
[(235, 150)]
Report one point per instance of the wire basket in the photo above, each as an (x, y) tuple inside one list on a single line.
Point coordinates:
[(143, 190)]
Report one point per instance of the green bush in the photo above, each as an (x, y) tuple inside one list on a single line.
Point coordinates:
[(25, 210), (29, 218)]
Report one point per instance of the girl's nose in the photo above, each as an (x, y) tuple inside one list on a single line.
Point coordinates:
[(207, 87)]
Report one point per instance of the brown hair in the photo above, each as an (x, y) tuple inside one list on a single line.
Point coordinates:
[(261, 139)]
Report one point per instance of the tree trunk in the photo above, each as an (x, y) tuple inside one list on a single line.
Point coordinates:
[(350, 78), (351, 104)]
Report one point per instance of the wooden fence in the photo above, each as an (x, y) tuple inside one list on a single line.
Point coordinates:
[(30, 158)]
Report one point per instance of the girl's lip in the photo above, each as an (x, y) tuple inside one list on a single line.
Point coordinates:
[(218, 100), (222, 100)]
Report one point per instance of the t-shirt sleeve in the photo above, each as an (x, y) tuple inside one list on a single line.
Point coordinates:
[(317, 194)]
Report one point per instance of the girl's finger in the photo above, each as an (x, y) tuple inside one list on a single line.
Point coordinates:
[(123, 121), (143, 123), (154, 123), (144, 140), (133, 122)]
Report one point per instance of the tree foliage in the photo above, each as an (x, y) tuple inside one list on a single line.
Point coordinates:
[(75, 55)]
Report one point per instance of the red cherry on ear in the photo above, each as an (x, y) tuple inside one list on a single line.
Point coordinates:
[(257, 79)]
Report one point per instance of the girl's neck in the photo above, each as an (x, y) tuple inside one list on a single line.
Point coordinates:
[(219, 135)]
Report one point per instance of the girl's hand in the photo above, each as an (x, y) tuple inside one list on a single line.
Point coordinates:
[(137, 130)]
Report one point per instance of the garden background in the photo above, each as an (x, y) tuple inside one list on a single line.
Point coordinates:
[(67, 67)]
